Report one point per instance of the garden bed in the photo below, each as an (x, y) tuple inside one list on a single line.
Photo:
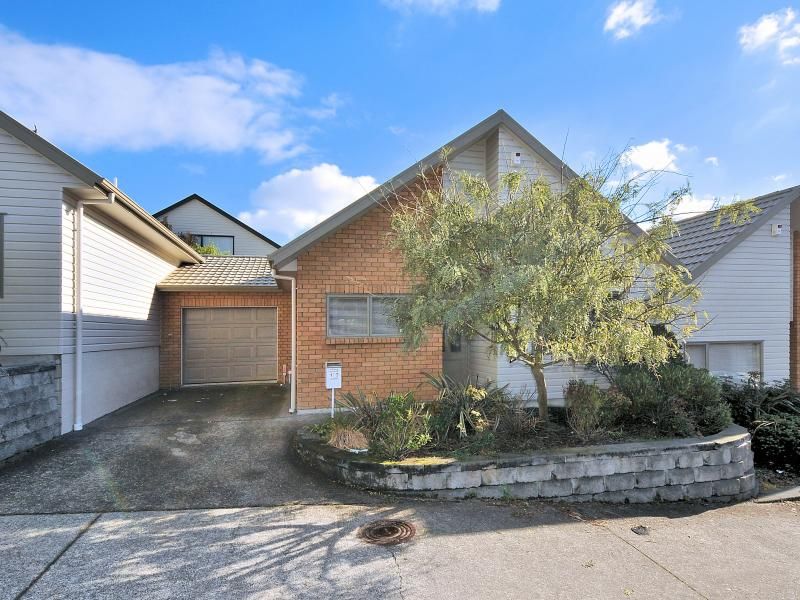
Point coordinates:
[(717, 467)]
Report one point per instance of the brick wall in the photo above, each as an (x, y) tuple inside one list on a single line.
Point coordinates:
[(794, 334), (172, 304), (356, 260)]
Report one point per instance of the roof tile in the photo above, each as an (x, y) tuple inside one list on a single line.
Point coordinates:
[(223, 271)]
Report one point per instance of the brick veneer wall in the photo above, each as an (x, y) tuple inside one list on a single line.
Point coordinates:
[(173, 302), (356, 260)]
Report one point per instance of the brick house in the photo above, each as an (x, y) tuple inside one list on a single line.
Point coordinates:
[(93, 282)]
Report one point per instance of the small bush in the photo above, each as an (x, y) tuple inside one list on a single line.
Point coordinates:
[(463, 409), (516, 421), (677, 399), (403, 427), (346, 437), (584, 403), (777, 443), (365, 409)]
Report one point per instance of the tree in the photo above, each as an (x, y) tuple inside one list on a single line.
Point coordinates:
[(545, 273)]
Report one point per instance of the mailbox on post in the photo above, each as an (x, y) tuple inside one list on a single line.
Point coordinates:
[(333, 380)]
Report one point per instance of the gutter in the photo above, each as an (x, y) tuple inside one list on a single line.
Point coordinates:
[(293, 380), (77, 272)]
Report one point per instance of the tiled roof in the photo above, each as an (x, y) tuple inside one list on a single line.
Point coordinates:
[(222, 271), (698, 239)]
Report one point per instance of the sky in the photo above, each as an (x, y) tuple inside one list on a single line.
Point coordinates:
[(283, 112)]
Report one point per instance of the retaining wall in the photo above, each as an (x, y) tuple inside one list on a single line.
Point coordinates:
[(30, 405), (717, 468)]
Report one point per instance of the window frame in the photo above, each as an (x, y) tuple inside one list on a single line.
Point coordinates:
[(706, 343), (202, 237), (369, 333)]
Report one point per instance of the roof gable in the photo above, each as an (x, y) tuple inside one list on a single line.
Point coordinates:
[(164, 212), (699, 244), (320, 231)]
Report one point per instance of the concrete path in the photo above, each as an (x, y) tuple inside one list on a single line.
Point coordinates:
[(462, 550)]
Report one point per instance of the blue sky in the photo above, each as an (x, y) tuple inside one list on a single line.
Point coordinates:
[(284, 112)]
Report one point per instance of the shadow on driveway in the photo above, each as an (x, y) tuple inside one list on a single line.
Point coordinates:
[(206, 447)]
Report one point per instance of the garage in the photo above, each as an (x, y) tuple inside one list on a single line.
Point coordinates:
[(230, 345)]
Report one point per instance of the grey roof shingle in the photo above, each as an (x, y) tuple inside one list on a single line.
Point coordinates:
[(698, 240), (222, 271)]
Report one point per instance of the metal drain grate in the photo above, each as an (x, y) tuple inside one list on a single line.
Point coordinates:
[(387, 533)]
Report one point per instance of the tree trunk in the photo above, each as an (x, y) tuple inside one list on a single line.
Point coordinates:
[(541, 389)]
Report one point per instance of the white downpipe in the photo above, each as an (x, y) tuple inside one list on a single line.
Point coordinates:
[(77, 271), (293, 380), (77, 419)]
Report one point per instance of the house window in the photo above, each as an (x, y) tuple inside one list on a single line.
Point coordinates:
[(729, 359), (362, 316), (223, 243)]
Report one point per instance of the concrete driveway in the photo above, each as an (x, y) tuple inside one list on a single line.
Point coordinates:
[(196, 495), (205, 447)]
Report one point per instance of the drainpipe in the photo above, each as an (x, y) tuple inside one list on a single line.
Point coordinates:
[(77, 271), (293, 380)]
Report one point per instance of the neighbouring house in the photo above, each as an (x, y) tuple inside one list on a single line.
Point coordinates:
[(749, 275), (208, 225), (92, 281), (78, 271)]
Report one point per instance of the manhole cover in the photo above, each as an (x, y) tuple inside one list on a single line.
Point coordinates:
[(387, 533)]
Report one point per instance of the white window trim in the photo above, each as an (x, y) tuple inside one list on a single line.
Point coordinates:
[(369, 333), (706, 343)]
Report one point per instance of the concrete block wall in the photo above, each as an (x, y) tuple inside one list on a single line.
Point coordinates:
[(717, 468), (30, 404)]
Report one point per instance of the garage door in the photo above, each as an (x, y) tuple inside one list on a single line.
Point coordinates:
[(227, 345)]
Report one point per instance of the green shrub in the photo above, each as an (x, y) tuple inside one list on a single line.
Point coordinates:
[(516, 421), (365, 409), (777, 443), (753, 400), (677, 399), (584, 403), (462, 409), (402, 428)]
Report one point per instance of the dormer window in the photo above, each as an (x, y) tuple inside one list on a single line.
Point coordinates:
[(223, 243)]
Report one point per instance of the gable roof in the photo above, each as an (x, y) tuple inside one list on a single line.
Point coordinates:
[(222, 271), (699, 244), (214, 207), (351, 212), (98, 187)]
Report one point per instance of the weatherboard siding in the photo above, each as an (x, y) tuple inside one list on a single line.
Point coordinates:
[(118, 294), (747, 295), (482, 365), (519, 379), (31, 191), (196, 218), (531, 162)]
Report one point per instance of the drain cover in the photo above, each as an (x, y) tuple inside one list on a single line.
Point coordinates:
[(387, 533)]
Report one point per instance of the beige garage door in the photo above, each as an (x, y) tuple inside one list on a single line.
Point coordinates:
[(226, 345)]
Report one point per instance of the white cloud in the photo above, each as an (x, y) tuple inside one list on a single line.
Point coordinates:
[(291, 202), (711, 160), (780, 177), (627, 17), (680, 148), (652, 156), (328, 107), (397, 130), (95, 100), (443, 7), (779, 31), (691, 205)]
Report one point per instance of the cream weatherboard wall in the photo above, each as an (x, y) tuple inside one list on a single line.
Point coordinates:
[(196, 218), (37, 312), (747, 296), (120, 315), (31, 191)]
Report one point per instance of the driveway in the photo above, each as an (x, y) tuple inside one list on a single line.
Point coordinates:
[(204, 447)]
